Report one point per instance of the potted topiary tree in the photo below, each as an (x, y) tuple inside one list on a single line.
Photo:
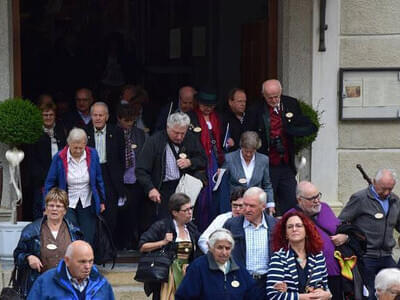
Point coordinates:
[(20, 123)]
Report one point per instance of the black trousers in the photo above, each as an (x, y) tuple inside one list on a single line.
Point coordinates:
[(335, 286), (284, 184), (111, 203)]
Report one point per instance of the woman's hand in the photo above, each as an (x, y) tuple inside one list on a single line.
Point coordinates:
[(168, 238), (34, 262), (280, 287), (320, 294)]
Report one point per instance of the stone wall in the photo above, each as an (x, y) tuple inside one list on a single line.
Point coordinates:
[(369, 38)]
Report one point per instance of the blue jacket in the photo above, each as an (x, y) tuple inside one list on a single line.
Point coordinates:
[(54, 284), (235, 226), (29, 244), (204, 280), (58, 171), (282, 267)]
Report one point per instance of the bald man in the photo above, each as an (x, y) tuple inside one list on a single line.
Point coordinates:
[(278, 120), (75, 277), (185, 103)]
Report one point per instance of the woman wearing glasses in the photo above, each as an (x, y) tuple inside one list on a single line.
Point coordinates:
[(43, 243), (297, 270), (177, 235)]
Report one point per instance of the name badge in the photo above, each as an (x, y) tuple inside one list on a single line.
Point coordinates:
[(235, 283), (242, 180), (133, 146), (197, 129), (378, 216), (51, 247)]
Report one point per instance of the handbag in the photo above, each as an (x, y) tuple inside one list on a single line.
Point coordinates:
[(12, 292), (154, 266), (191, 186)]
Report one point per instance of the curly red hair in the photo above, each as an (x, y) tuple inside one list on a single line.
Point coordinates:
[(313, 243)]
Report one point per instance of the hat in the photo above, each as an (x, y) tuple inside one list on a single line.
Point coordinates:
[(207, 97)]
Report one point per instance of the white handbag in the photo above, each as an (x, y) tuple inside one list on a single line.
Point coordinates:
[(191, 186)]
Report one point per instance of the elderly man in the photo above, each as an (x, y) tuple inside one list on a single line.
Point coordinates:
[(235, 118), (185, 104), (278, 120), (166, 155), (110, 147), (387, 284), (236, 200), (75, 277), (252, 234), (309, 202), (376, 211), (81, 116)]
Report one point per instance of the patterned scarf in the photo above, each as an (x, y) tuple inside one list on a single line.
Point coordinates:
[(129, 151)]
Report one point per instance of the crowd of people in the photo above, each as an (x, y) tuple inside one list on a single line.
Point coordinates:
[(253, 232)]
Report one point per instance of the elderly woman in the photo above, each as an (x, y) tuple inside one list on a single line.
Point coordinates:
[(297, 270), (43, 243), (248, 168), (387, 284), (76, 169), (216, 274), (42, 152), (175, 234)]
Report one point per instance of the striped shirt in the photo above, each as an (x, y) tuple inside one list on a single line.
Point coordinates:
[(78, 181), (100, 142), (257, 247), (282, 268)]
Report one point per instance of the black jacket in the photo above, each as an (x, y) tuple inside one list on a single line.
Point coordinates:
[(150, 169), (40, 155), (73, 119), (114, 154), (236, 128), (293, 121)]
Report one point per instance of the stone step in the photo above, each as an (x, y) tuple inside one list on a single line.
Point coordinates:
[(129, 293)]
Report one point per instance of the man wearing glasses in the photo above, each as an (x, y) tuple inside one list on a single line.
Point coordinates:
[(309, 202), (376, 211)]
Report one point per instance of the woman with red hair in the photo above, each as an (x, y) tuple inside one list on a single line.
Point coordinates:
[(297, 269)]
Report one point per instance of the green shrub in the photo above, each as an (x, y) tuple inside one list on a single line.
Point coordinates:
[(304, 142), (20, 122)]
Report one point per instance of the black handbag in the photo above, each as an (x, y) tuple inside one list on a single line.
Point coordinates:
[(13, 291), (154, 266)]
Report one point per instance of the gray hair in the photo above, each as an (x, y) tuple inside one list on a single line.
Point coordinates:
[(301, 187), (178, 119), (256, 191), (387, 278), (76, 135), (99, 103), (250, 140), (275, 81), (218, 235), (382, 172)]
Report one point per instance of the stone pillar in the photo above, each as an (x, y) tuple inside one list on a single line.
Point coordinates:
[(6, 81)]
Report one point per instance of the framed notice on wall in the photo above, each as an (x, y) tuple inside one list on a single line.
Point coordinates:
[(369, 94)]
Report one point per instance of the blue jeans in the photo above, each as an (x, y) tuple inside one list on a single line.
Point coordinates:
[(372, 266), (85, 219)]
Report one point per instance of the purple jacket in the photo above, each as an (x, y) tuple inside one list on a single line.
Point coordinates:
[(327, 219)]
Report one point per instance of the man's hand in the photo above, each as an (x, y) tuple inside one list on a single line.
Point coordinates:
[(34, 262), (339, 239), (102, 207), (154, 195), (183, 163), (230, 142), (271, 210)]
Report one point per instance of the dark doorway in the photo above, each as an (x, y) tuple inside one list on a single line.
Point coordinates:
[(159, 44)]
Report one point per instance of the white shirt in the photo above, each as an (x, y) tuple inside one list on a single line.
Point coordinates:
[(248, 168), (78, 181), (178, 239), (217, 223), (100, 142)]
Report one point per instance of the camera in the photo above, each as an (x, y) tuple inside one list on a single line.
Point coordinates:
[(276, 143)]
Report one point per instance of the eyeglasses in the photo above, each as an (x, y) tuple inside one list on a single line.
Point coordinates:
[(187, 209), (237, 205), (54, 206), (316, 197)]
